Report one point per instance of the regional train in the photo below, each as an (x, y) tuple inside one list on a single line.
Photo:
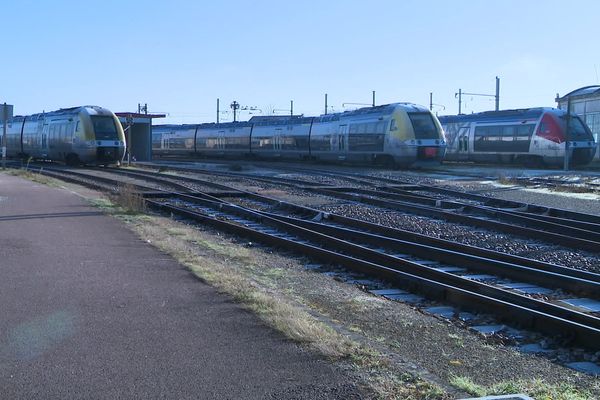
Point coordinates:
[(399, 134), (533, 136), (78, 135)]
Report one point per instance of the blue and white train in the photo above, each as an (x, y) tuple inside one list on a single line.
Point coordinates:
[(395, 134)]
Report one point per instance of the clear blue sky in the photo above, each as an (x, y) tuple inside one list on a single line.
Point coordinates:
[(179, 56)]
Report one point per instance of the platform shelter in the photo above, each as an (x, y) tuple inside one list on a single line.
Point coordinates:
[(138, 134)]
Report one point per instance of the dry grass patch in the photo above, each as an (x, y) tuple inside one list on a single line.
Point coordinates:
[(32, 176), (536, 388), (129, 199), (233, 269)]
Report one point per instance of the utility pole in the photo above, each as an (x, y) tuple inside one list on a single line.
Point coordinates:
[(291, 108), (567, 155), (459, 94), (217, 110), (325, 103), (497, 94), (235, 106), (430, 101), (373, 98)]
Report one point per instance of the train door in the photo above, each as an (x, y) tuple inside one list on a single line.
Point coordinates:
[(277, 139), (463, 143), (221, 139), (44, 142), (342, 142)]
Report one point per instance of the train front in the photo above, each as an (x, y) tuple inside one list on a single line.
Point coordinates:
[(416, 136), (104, 136)]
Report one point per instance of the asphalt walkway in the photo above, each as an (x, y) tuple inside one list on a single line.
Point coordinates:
[(88, 310)]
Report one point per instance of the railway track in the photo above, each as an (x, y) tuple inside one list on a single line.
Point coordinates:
[(469, 278), (562, 227)]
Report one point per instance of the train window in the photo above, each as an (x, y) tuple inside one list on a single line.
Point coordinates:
[(423, 126), (509, 130), (393, 126), (104, 127), (577, 130), (353, 128), (77, 127)]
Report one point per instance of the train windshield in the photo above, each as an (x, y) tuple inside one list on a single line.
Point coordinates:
[(423, 126), (105, 128), (578, 130)]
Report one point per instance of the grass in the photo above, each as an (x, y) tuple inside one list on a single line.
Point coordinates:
[(32, 176), (535, 388), (129, 199), (234, 270), (458, 340)]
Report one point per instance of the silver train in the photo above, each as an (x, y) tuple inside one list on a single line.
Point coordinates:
[(88, 135), (533, 136), (401, 134)]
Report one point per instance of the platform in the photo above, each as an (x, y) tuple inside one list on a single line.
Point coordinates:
[(91, 311)]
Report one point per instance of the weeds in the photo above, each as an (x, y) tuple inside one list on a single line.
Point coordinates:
[(129, 199), (535, 388), (32, 176)]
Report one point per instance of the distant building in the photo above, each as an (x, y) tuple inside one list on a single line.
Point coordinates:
[(585, 102)]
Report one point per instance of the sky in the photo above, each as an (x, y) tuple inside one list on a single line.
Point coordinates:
[(180, 56)]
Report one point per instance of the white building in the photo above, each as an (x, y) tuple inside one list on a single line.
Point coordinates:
[(585, 102)]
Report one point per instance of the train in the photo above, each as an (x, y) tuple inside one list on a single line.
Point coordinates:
[(531, 136), (78, 135), (399, 134)]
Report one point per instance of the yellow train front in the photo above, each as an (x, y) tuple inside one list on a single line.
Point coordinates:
[(78, 135)]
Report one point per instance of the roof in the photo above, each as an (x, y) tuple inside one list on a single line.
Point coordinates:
[(489, 116), (583, 91), (138, 115)]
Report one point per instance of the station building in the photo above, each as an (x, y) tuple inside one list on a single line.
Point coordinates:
[(585, 102)]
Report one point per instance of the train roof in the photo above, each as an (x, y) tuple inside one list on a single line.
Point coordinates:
[(280, 120), (502, 115), (64, 111), (264, 120), (208, 125)]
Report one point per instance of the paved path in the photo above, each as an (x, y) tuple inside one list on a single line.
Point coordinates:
[(87, 310)]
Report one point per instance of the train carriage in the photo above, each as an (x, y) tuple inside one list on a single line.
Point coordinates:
[(281, 137), (88, 134), (533, 136), (400, 134), (223, 140)]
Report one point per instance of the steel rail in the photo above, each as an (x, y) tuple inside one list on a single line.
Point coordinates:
[(581, 328), (566, 218), (389, 232), (531, 313)]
